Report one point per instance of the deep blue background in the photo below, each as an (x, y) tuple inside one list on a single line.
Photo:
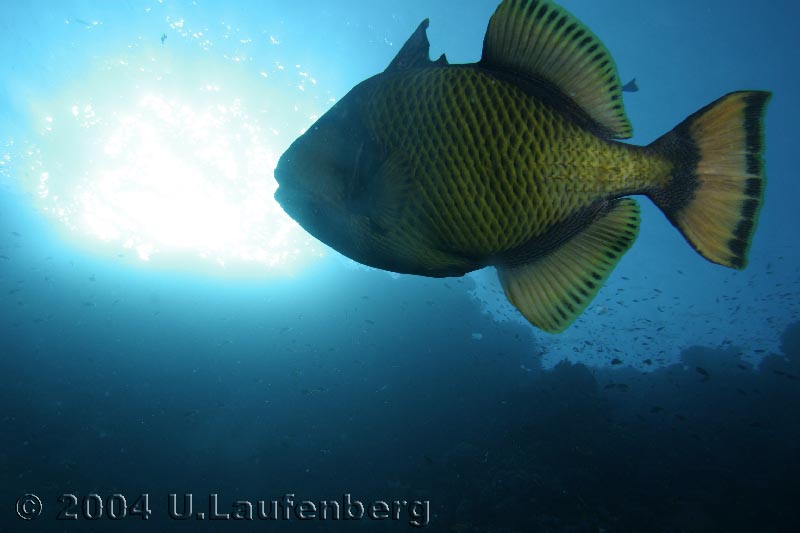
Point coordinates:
[(119, 377)]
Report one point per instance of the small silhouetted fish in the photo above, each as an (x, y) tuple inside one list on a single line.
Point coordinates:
[(16, 234), (786, 374), (4, 257), (163, 37), (648, 361), (656, 409), (631, 86), (702, 371), (616, 361)]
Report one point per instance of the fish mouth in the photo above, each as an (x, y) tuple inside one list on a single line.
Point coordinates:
[(291, 200), (299, 204), (309, 212), (283, 195), (289, 192)]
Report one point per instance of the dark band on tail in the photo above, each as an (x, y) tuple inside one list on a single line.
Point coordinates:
[(684, 153), (755, 105), (753, 117)]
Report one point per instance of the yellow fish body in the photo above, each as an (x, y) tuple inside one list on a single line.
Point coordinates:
[(438, 170)]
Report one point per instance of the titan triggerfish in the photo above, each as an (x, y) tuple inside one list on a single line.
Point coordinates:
[(516, 162)]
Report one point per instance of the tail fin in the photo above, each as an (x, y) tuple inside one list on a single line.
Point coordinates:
[(718, 180)]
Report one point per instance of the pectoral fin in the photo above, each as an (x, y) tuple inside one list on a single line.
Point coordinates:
[(552, 290)]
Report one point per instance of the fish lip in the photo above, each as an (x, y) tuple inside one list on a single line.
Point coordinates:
[(288, 191), (283, 179), (281, 194), (295, 201), (289, 195), (287, 187)]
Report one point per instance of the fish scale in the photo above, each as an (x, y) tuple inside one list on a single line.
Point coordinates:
[(468, 136)]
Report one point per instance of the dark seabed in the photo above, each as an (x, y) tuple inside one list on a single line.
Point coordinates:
[(140, 357)]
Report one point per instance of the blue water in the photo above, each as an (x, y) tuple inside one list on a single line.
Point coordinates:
[(165, 329)]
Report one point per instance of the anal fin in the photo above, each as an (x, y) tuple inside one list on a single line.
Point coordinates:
[(552, 290)]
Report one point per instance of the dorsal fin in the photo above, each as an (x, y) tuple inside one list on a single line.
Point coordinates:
[(541, 40), (415, 53)]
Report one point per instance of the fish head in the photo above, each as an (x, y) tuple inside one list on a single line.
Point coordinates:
[(323, 176)]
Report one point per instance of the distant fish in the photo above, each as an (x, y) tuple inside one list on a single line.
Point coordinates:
[(514, 162), (631, 86), (703, 372), (163, 38), (786, 375)]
